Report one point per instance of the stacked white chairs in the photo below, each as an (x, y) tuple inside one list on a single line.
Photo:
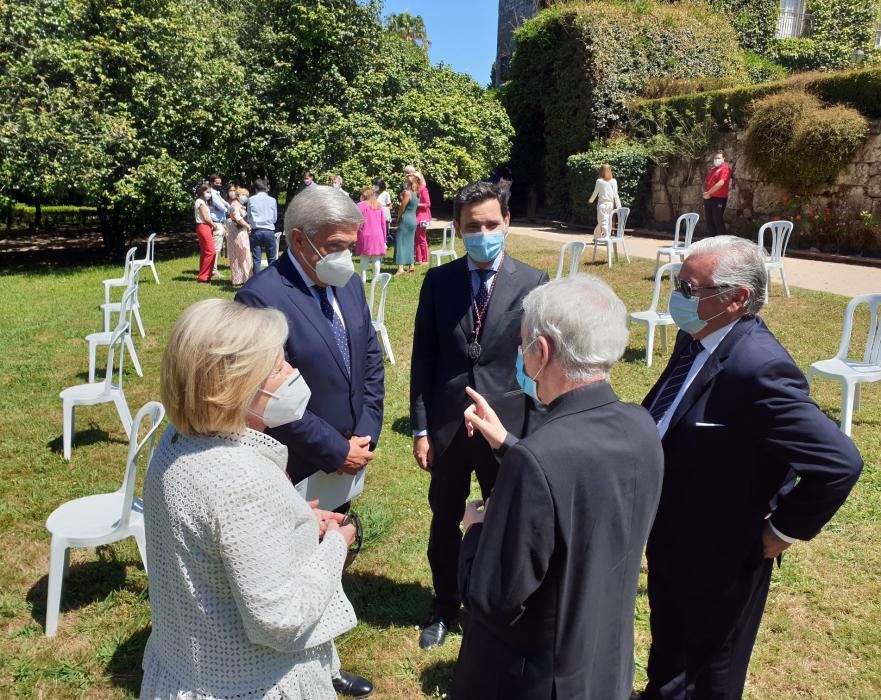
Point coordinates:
[(101, 338), (614, 238), (105, 391), (853, 373), (448, 245), (101, 519), (780, 232), (149, 260), (575, 249), (652, 318), (377, 311), (115, 307), (126, 275), (679, 249)]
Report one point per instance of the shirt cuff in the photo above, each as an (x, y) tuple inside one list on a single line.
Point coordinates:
[(420, 433), (510, 441), (785, 538)]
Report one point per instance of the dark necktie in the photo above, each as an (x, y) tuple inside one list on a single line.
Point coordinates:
[(675, 380), (336, 326), (481, 299)]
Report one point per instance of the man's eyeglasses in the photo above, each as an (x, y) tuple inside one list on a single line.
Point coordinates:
[(687, 289)]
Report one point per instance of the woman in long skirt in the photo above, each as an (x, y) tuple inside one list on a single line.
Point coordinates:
[(404, 241)]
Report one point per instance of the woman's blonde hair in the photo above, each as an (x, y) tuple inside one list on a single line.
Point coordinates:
[(420, 177), (218, 355), (606, 171), (368, 194), (243, 192)]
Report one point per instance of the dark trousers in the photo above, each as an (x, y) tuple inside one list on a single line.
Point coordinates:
[(714, 210), (688, 660), (262, 239), (447, 494)]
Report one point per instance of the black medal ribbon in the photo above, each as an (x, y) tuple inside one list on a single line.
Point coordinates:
[(479, 309)]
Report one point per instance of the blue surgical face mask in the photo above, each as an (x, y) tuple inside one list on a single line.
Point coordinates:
[(484, 247), (527, 384), (685, 315)]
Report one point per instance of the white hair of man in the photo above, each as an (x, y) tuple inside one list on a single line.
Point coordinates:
[(317, 207), (741, 264), (409, 170), (583, 320)]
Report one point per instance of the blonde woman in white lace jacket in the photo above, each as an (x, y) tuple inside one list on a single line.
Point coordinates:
[(605, 192), (246, 600)]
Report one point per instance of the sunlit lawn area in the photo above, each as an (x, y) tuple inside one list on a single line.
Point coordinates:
[(821, 636)]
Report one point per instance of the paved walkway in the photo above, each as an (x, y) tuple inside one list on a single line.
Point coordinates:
[(837, 278)]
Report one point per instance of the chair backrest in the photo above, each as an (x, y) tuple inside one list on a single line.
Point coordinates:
[(381, 280), (872, 350), (668, 269), (278, 235), (576, 248), (690, 221), (621, 213), (127, 305), (780, 232), (155, 412), (151, 247), (449, 240), (129, 260), (116, 355)]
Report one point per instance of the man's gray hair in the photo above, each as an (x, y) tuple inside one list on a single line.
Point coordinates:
[(741, 264), (583, 320), (319, 206)]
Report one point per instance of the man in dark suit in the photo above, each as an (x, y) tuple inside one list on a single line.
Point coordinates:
[(550, 578), (738, 428), (466, 333), (331, 342)]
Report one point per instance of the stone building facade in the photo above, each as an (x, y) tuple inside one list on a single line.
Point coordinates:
[(512, 13), (679, 188)]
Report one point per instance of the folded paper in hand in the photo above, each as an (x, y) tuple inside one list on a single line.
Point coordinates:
[(331, 490)]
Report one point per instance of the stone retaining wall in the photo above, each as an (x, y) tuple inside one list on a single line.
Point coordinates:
[(679, 188)]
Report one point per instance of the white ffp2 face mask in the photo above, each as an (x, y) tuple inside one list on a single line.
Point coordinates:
[(287, 404), (334, 269)]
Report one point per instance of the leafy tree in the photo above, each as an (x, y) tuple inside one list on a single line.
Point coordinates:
[(410, 27)]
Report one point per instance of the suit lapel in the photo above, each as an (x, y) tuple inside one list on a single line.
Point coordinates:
[(308, 306), (504, 292), (461, 291)]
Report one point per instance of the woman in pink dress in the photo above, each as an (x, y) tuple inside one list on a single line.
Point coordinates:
[(371, 235), (238, 230), (423, 219)]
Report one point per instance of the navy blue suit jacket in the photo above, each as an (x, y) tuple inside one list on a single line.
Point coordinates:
[(341, 405), (745, 440)]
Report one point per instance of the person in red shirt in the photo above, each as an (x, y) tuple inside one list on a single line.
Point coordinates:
[(716, 186)]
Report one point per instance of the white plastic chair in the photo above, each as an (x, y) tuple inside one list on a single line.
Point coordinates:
[(149, 260), (780, 232), (679, 249), (576, 248), (652, 318), (104, 391), (448, 245), (115, 307), (101, 519), (378, 316), (126, 275), (102, 338), (853, 373), (613, 239)]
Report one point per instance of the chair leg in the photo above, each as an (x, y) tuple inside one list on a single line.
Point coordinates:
[(93, 349), (67, 434), (626, 254), (609, 254), (66, 569), (649, 343), (155, 274), (387, 344), (125, 415), (785, 285), (857, 396), (57, 555), (594, 250), (142, 546), (137, 313), (107, 318), (847, 396), (134, 355)]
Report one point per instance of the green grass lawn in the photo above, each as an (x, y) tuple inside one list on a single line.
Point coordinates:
[(821, 636)]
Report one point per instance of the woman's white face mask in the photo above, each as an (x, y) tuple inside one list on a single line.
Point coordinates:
[(287, 403)]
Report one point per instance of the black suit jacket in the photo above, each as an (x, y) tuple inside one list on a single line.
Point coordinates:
[(745, 429), (550, 578), (441, 369), (341, 405)]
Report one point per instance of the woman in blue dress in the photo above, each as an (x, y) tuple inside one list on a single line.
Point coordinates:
[(405, 238)]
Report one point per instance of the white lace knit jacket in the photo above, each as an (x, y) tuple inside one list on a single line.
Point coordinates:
[(242, 591)]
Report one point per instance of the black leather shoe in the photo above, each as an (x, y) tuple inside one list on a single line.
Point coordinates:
[(353, 686), (434, 632)]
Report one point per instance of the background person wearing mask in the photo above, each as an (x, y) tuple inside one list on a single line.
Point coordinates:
[(405, 252), (550, 577), (716, 187), (262, 215), (219, 208), (245, 591), (466, 333)]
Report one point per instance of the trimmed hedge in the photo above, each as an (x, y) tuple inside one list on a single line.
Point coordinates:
[(774, 121), (754, 20), (577, 64), (730, 109)]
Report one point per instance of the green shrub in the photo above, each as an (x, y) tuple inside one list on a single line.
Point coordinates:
[(775, 119), (630, 165), (762, 69), (839, 28), (668, 87), (795, 142), (860, 89), (796, 53), (754, 20), (577, 64)]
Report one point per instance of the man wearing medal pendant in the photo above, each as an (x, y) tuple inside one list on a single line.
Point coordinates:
[(467, 332)]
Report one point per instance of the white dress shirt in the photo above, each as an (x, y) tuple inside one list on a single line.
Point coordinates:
[(331, 297)]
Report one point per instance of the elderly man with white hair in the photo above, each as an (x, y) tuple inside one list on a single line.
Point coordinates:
[(549, 567), (751, 465)]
